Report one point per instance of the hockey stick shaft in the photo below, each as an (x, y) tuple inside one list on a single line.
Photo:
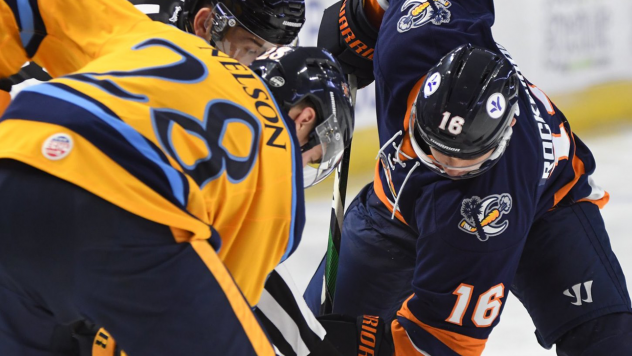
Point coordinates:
[(337, 214)]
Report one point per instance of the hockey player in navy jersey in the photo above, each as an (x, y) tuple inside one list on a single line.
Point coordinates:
[(481, 188)]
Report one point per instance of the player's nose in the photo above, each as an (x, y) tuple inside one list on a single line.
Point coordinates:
[(454, 172)]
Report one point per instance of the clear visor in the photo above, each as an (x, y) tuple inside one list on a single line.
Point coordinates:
[(320, 160), (459, 172), (468, 171), (233, 38)]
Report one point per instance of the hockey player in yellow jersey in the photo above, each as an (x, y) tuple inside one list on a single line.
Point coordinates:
[(268, 23), (152, 137), (243, 29)]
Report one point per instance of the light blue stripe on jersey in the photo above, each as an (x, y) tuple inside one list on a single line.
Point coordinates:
[(26, 22), (131, 135), (292, 238)]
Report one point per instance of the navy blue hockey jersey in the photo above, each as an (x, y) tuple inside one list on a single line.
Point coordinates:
[(544, 163)]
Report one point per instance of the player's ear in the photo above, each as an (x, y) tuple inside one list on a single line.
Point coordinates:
[(202, 22), (306, 116)]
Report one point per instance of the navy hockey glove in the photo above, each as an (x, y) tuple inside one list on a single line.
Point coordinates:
[(364, 335), (346, 32)]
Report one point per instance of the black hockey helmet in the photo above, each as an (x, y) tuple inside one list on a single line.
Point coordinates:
[(465, 109), (294, 74), (275, 21), (243, 29)]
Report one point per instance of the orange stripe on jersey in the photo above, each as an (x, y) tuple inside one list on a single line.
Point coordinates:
[(23, 140), (599, 202), (579, 169), (379, 191), (373, 12), (406, 148), (257, 337), (461, 344), (559, 135), (5, 99)]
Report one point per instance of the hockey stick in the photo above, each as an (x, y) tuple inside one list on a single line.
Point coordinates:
[(337, 213)]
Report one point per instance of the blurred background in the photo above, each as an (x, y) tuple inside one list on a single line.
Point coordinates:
[(579, 52)]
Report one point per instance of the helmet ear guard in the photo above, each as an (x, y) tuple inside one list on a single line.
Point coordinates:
[(296, 74), (189, 10), (220, 20), (464, 110)]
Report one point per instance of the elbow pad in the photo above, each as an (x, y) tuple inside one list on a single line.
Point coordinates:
[(346, 32)]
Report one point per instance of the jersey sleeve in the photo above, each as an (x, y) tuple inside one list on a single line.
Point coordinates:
[(65, 37), (457, 300)]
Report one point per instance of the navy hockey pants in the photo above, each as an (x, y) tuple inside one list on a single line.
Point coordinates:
[(68, 258), (377, 261)]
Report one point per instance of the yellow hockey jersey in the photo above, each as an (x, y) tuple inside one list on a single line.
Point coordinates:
[(159, 123)]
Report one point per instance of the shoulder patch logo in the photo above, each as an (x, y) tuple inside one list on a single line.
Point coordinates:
[(57, 146), (422, 12), (483, 217)]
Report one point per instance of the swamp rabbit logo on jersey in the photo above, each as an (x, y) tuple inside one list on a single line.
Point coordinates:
[(483, 217), (421, 12)]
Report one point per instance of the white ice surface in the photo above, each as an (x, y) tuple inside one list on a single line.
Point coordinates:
[(514, 335)]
